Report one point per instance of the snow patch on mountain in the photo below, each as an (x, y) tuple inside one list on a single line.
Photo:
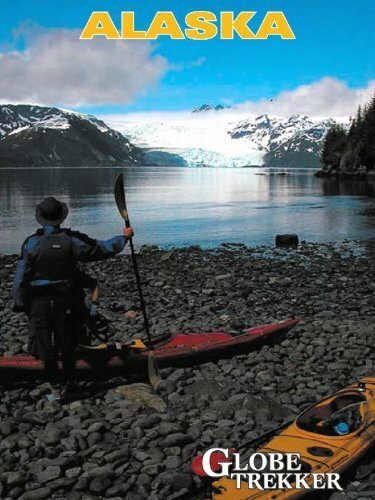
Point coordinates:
[(15, 118), (294, 141), (265, 131)]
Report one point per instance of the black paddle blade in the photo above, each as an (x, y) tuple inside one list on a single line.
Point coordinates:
[(120, 199)]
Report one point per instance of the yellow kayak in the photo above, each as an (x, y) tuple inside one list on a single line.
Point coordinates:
[(330, 436)]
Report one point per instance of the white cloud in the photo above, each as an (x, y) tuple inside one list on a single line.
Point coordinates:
[(57, 68), (327, 97)]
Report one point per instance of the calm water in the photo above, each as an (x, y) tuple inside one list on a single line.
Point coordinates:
[(182, 206)]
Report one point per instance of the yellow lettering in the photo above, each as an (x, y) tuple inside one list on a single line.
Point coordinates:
[(229, 24), (275, 23), (164, 23), (201, 24), (127, 27), (100, 23)]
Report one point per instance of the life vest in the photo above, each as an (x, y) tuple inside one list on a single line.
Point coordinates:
[(55, 258)]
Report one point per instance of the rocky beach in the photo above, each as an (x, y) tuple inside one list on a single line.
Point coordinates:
[(124, 441)]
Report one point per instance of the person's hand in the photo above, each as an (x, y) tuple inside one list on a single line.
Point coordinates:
[(128, 232)]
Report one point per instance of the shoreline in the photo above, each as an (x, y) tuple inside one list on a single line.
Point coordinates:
[(264, 249), (114, 444), (323, 174)]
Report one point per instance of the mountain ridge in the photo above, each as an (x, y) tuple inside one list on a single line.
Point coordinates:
[(288, 142), (41, 136), (49, 136), (204, 108)]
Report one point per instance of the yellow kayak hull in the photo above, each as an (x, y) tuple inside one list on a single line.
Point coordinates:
[(342, 451)]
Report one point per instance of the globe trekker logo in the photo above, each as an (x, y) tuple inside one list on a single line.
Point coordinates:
[(263, 471)]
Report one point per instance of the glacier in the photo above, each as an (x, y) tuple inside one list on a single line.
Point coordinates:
[(221, 139)]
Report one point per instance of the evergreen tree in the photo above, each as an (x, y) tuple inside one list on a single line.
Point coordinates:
[(352, 129), (334, 146), (359, 115), (367, 153), (357, 147)]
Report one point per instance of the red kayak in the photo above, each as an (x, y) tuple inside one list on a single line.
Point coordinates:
[(179, 349)]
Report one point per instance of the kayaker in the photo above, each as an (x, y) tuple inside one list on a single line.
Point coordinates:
[(49, 287)]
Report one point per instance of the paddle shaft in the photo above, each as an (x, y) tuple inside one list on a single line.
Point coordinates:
[(153, 371), (138, 280)]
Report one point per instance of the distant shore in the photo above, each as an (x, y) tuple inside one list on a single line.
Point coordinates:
[(355, 174)]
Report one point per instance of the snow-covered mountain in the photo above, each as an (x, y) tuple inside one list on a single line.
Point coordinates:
[(44, 136), (295, 141), (220, 140), (209, 107)]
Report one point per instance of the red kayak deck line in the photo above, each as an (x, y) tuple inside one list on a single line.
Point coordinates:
[(175, 351)]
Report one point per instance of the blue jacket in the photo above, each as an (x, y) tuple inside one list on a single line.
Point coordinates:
[(84, 249)]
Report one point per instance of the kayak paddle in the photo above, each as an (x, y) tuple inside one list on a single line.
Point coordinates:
[(153, 370)]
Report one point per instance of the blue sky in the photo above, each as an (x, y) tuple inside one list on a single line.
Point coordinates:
[(334, 39)]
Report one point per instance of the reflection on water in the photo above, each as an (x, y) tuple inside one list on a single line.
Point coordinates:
[(182, 206), (346, 187)]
